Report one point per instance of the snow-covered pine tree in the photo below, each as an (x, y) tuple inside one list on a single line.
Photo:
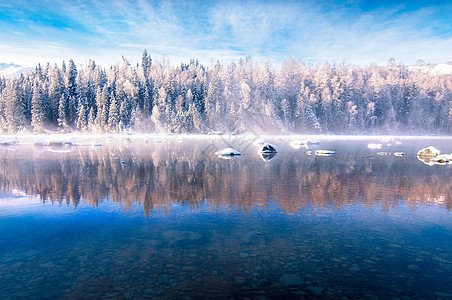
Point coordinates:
[(37, 111), (113, 116)]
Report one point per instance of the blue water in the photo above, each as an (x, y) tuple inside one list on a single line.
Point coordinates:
[(173, 221)]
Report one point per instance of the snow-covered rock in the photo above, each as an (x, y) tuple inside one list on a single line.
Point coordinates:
[(429, 152), (297, 144), (11, 142), (61, 143), (62, 146), (432, 156), (383, 153), (374, 146), (228, 152), (325, 152), (267, 148)]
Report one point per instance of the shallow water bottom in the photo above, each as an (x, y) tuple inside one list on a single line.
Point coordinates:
[(358, 253)]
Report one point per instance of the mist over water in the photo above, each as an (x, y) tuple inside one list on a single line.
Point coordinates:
[(169, 219)]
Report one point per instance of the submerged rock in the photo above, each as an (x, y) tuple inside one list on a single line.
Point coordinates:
[(267, 148)]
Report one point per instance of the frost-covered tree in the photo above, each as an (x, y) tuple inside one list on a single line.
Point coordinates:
[(37, 110), (234, 97), (13, 107)]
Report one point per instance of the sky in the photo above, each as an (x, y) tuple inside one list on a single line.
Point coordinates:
[(338, 31)]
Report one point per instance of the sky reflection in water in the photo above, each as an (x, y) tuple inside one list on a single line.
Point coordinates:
[(173, 220)]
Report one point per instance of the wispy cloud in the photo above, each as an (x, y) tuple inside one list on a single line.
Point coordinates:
[(316, 31)]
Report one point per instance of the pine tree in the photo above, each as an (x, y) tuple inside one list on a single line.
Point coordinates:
[(146, 63), (13, 108), (91, 119), (81, 119), (37, 114), (56, 90), (70, 79), (113, 116), (62, 112)]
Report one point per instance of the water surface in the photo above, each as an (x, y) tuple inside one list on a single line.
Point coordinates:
[(172, 220)]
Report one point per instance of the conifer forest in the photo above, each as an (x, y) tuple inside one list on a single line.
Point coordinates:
[(237, 97)]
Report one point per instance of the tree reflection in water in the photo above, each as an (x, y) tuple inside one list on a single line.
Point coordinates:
[(156, 176)]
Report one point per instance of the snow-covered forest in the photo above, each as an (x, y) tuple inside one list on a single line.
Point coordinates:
[(155, 96)]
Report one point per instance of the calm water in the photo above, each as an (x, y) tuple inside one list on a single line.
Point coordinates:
[(171, 220)]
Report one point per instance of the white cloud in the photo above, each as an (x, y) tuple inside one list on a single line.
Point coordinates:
[(227, 30)]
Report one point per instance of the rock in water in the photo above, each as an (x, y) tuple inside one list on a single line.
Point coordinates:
[(324, 152), (432, 156), (267, 148), (429, 152), (228, 153), (374, 146)]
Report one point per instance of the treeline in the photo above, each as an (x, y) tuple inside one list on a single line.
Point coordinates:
[(233, 98)]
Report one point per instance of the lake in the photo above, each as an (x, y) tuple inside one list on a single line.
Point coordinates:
[(168, 219)]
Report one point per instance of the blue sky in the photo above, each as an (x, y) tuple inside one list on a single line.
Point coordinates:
[(355, 32)]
